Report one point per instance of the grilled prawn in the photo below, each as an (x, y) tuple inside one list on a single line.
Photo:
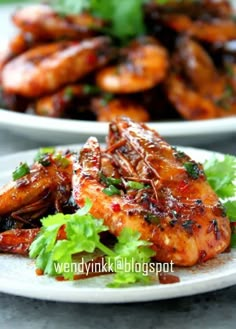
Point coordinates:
[(145, 66), (17, 241), (180, 214), (47, 187), (109, 110), (43, 22), (198, 90), (44, 69)]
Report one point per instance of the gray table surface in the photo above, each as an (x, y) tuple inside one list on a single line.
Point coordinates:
[(210, 310)]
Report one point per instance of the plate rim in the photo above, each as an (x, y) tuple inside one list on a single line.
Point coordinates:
[(80, 127)]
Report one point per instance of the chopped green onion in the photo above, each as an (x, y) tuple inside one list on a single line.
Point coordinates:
[(20, 171), (110, 180), (192, 169), (43, 151), (136, 185), (42, 156), (90, 89), (61, 160), (150, 218), (68, 93), (107, 97), (230, 71), (179, 154), (111, 190)]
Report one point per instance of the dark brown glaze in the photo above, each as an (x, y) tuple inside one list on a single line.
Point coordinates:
[(17, 241), (183, 201), (107, 111), (166, 278), (46, 189), (60, 103), (207, 20), (143, 65), (45, 69), (42, 21)]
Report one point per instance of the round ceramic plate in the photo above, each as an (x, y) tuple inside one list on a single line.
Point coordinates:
[(60, 131), (17, 275)]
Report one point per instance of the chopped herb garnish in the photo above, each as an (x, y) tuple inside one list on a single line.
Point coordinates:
[(90, 89), (42, 152), (110, 180), (192, 169), (68, 93), (61, 161), (44, 160), (150, 218), (111, 190), (136, 185), (20, 171), (179, 154), (229, 70), (225, 99), (106, 98)]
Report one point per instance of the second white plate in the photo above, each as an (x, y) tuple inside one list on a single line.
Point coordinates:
[(63, 131), (17, 275)]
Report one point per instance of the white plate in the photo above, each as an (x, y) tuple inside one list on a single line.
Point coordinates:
[(55, 131), (17, 275), (61, 131)]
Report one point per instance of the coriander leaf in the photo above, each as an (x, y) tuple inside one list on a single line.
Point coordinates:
[(233, 237), (65, 7), (55, 256), (192, 169), (82, 234), (221, 175), (130, 250), (230, 207), (125, 17)]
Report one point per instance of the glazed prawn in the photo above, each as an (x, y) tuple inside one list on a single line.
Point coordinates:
[(182, 229), (16, 46), (215, 31), (190, 104), (46, 68), (205, 92), (208, 21), (109, 110), (57, 104), (42, 21), (46, 186), (17, 241), (199, 68), (145, 66)]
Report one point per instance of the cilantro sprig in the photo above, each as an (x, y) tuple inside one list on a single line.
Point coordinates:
[(129, 249), (125, 17), (82, 234), (221, 175)]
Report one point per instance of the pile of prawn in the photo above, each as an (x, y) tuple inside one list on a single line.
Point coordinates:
[(66, 67), (174, 209)]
